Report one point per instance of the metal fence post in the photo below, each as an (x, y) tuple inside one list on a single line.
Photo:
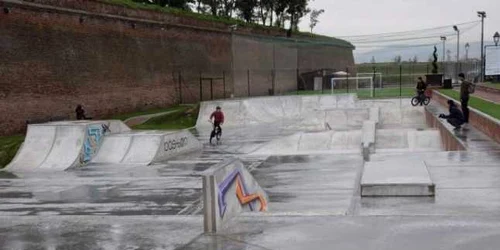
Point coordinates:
[(211, 88), (201, 88), (248, 81), (224, 83), (347, 76), (400, 79), (180, 87)]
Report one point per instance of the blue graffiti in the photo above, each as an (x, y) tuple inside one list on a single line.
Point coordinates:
[(94, 136)]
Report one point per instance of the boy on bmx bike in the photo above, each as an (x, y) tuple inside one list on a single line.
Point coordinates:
[(218, 120)]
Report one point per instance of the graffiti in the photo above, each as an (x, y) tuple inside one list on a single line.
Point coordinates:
[(175, 144), (241, 193), (94, 137)]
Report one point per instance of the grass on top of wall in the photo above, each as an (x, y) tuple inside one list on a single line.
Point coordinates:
[(482, 105)]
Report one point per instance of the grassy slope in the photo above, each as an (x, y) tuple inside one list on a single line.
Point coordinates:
[(8, 148), (124, 117), (230, 21), (477, 103), (184, 117)]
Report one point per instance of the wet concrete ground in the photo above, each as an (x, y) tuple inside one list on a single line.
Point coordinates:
[(315, 203)]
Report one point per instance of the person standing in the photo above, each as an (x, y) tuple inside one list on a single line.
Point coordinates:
[(466, 88)]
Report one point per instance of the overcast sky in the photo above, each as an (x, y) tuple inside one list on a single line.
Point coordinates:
[(359, 17)]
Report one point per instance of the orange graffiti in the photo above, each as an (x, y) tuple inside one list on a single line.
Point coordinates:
[(245, 199)]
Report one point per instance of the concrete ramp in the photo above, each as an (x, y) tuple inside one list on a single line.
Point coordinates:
[(145, 147), (58, 146), (314, 143), (266, 110), (228, 190), (407, 140)]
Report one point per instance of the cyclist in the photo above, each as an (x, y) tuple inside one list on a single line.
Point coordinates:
[(218, 120), (455, 118), (421, 87)]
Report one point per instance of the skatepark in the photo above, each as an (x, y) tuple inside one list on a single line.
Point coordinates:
[(316, 172)]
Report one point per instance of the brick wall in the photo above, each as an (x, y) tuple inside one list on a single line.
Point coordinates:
[(448, 140), (104, 57)]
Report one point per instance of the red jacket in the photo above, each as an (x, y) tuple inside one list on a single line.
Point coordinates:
[(218, 115)]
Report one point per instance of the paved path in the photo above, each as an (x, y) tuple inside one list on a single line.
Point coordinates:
[(489, 96)]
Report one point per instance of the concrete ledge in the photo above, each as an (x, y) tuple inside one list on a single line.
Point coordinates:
[(397, 190), (228, 190), (396, 178), (448, 140), (368, 138), (485, 123)]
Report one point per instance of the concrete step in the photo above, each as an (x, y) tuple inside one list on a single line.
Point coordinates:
[(396, 178)]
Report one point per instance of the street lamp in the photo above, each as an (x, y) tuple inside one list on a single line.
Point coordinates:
[(467, 46), (458, 48), (482, 15), (496, 38)]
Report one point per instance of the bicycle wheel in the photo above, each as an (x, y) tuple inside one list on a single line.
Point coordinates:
[(427, 100), (415, 101)]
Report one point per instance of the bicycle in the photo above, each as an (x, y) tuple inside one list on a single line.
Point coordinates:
[(216, 132), (419, 100)]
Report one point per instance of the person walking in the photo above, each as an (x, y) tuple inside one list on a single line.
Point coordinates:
[(466, 88)]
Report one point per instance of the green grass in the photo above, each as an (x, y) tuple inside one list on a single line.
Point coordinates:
[(365, 93), (126, 116), (486, 107), (182, 118), (8, 148)]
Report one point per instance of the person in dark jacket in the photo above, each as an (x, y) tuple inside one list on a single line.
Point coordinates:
[(80, 113), (455, 118), (466, 88), (421, 87)]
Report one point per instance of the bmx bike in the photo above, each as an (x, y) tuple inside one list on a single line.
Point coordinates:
[(216, 133), (420, 99)]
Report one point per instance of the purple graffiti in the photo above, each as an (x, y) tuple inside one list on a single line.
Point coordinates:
[(224, 187)]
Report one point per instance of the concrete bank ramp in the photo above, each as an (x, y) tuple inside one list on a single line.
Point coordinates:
[(264, 110), (314, 143), (57, 146), (395, 112), (145, 147), (407, 140), (228, 190)]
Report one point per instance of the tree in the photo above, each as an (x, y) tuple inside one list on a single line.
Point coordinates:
[(266, 9), (448, 55), (415, 59), (372, 61), (296, 9), (280, 8), (397, 59), (228, 6), (246, 9), (314, 18)]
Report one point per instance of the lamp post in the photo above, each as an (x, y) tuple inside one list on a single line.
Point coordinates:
[(496, 39), (458, 48), (467, 46), (482, 15), (443, 38)]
